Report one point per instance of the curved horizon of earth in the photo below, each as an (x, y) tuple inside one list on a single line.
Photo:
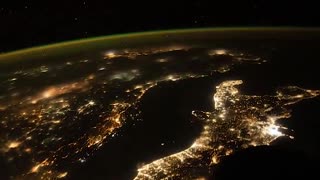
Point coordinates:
[(61, 104)]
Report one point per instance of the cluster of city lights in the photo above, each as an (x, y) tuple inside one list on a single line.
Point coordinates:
[(53, 121), (238, 121)]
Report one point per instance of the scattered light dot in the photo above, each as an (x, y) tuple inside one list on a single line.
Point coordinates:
[(62, 175), (28, 150), (217, 52), (56, 121), (215, 159), (273, 130), (14, 144), (91, 103), (35, 168), (110, 54), (162, 60)]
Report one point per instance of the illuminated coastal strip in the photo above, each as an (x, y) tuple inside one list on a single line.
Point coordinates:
[(237, 122), (34, 120), (105, 99)]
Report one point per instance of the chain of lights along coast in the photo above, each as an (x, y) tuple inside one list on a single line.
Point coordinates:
[(238, 121), (56, 114)]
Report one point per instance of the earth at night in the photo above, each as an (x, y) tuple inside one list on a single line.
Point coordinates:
[(179, 104)]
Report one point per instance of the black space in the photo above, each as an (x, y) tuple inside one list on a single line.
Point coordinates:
[(266, 163), (30, 23)]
